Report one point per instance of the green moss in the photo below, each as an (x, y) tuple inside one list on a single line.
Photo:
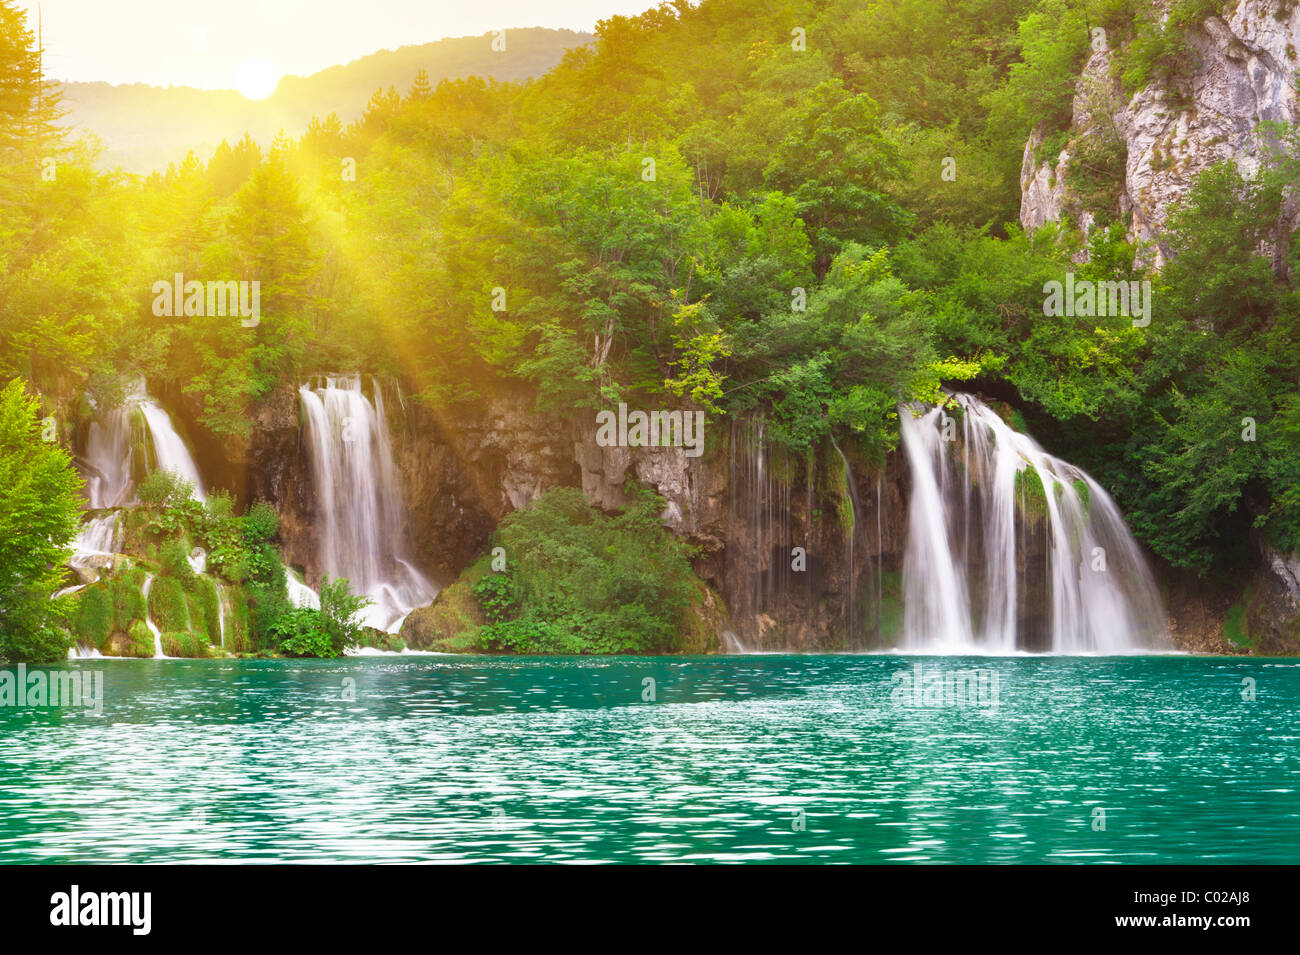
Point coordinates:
[(141, 640), (1235, 628), (174, 556), (177, 644), (128, 598), (839, 500), (891, 608), (94, 615), (1085, 496), (168, 606), (237, 628), (1031, 495)]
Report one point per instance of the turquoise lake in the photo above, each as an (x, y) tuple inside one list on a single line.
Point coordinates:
[(766, 758)]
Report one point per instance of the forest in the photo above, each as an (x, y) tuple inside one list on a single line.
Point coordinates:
[(804, 207)]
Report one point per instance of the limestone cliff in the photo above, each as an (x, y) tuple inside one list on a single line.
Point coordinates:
[(1242, 70)]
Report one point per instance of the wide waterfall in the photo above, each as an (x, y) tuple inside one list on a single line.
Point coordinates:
[(1010, 548), (361, 518)]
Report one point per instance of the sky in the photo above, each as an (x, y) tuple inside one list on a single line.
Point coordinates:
[(203, 43)]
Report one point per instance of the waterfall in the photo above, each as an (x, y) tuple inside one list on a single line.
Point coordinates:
[(759, 519), (110, 457), (361, 518), (110, 466), (1030, 552), (300, 595), (148, 619), (221, 611), (850, 546)]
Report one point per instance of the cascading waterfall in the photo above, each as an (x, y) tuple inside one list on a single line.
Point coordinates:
[(850, 545), (361, 524), (148, 620), (110, 457), (110, 466), (1008, 562)]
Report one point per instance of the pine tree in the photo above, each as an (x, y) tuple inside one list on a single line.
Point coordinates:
[(421, 88)]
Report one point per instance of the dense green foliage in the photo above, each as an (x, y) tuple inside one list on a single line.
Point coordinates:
[(39, 506), (323, 632), (578, 581)]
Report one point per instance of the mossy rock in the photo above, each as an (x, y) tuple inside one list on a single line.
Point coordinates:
[(238, 638), (451, 623), (210, 605), (128, 598), (703, 623), (1031, 495), (93, 618), (378, 640), (184, 645), (168, 606), (137, 642)]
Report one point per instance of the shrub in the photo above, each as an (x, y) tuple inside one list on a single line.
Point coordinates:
[(260, 524), (582, 582), (299, 633), (174, 557)]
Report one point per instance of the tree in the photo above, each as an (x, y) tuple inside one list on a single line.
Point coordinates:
[(39, 509)]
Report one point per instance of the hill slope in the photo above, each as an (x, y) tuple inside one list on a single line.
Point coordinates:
[(146, 127)]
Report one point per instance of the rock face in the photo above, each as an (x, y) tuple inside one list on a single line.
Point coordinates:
[(1243, 71), (463, 471)]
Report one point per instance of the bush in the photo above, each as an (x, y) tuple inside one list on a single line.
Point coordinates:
[(174, 557), (582, 582), (164, 489), (260, 524), (300, 633), (529, 636)]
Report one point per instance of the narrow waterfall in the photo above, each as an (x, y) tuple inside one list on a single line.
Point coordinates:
[(221, 611), (148, 619), (850, 546), (361, 518), (759, 519), (1029, 552)]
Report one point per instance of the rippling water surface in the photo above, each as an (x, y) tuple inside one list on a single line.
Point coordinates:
[(759, 758)]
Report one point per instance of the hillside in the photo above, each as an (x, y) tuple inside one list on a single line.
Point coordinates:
[(146, 127)]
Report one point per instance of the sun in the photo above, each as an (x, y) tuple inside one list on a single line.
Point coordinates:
[(256, 77)]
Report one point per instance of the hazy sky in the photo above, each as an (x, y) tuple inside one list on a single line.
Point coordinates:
[(201, 42)]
